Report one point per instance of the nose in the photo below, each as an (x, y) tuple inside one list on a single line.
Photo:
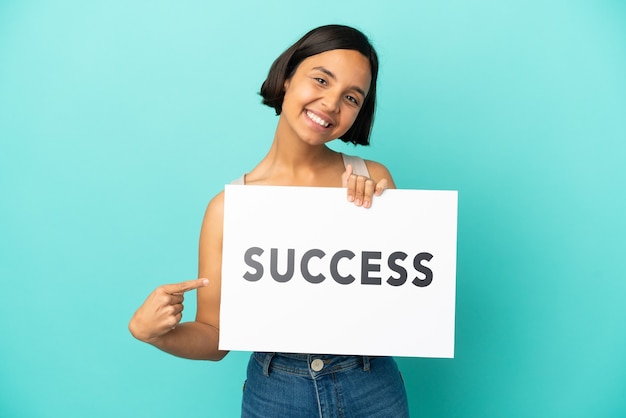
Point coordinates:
[(331, 101)]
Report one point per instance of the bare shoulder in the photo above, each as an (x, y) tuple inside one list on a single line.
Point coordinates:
[(378, 172), (211, 232), (216, 205)]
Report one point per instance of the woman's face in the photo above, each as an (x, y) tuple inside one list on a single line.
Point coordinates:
[(325, 94)]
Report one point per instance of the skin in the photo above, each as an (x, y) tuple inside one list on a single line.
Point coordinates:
[(328, 87)]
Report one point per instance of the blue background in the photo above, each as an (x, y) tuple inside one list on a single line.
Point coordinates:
[(120, 120)]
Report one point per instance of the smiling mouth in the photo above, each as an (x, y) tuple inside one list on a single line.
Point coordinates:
[(317, 119)]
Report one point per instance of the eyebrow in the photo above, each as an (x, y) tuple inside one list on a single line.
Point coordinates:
[(331, 75)]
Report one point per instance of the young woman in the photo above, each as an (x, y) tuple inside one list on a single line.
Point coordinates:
[(323, 88)]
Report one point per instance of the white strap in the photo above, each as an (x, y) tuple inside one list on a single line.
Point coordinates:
[(240, 181), (358, 165)]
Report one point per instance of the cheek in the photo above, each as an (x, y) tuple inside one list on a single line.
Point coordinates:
[(347, 121), (352, 114), (294, 97), (305, 92)]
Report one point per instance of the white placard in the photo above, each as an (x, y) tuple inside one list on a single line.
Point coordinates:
[(305, 271)]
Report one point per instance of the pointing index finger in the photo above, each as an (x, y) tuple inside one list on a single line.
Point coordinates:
[(185, 286)]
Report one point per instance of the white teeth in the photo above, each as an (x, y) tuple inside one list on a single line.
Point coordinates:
[(317, 119)]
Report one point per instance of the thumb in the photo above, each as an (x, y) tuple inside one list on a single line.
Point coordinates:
[(346, 175), (381, 186)]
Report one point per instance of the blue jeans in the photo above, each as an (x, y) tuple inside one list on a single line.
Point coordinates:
[(324, 386)]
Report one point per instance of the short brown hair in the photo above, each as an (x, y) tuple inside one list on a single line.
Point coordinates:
[(318, 40)]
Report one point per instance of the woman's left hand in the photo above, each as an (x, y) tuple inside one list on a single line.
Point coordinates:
[(361, 189)]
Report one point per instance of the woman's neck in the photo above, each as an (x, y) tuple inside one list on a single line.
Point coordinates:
[(292, 161)]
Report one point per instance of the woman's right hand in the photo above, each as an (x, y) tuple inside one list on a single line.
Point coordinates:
[(362, 189), (162, 310)]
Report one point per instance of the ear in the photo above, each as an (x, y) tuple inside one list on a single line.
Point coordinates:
[(286, 84)]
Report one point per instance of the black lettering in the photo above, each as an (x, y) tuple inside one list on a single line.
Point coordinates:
[(367, 267), (333, 267), (428, 273), (282, 278), (247, 257), (304, 266), (396, 268)]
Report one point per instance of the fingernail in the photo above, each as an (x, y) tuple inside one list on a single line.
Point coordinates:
[(358, 202), (350, 198), (366, 204), (205, 282)]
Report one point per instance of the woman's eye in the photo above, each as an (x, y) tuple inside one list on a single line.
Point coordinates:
[(353, 100), (321, 80)]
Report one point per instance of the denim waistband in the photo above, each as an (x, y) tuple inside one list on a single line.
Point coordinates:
[(303, 364)]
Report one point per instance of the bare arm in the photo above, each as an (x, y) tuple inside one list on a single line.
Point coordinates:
[(157, 321)]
